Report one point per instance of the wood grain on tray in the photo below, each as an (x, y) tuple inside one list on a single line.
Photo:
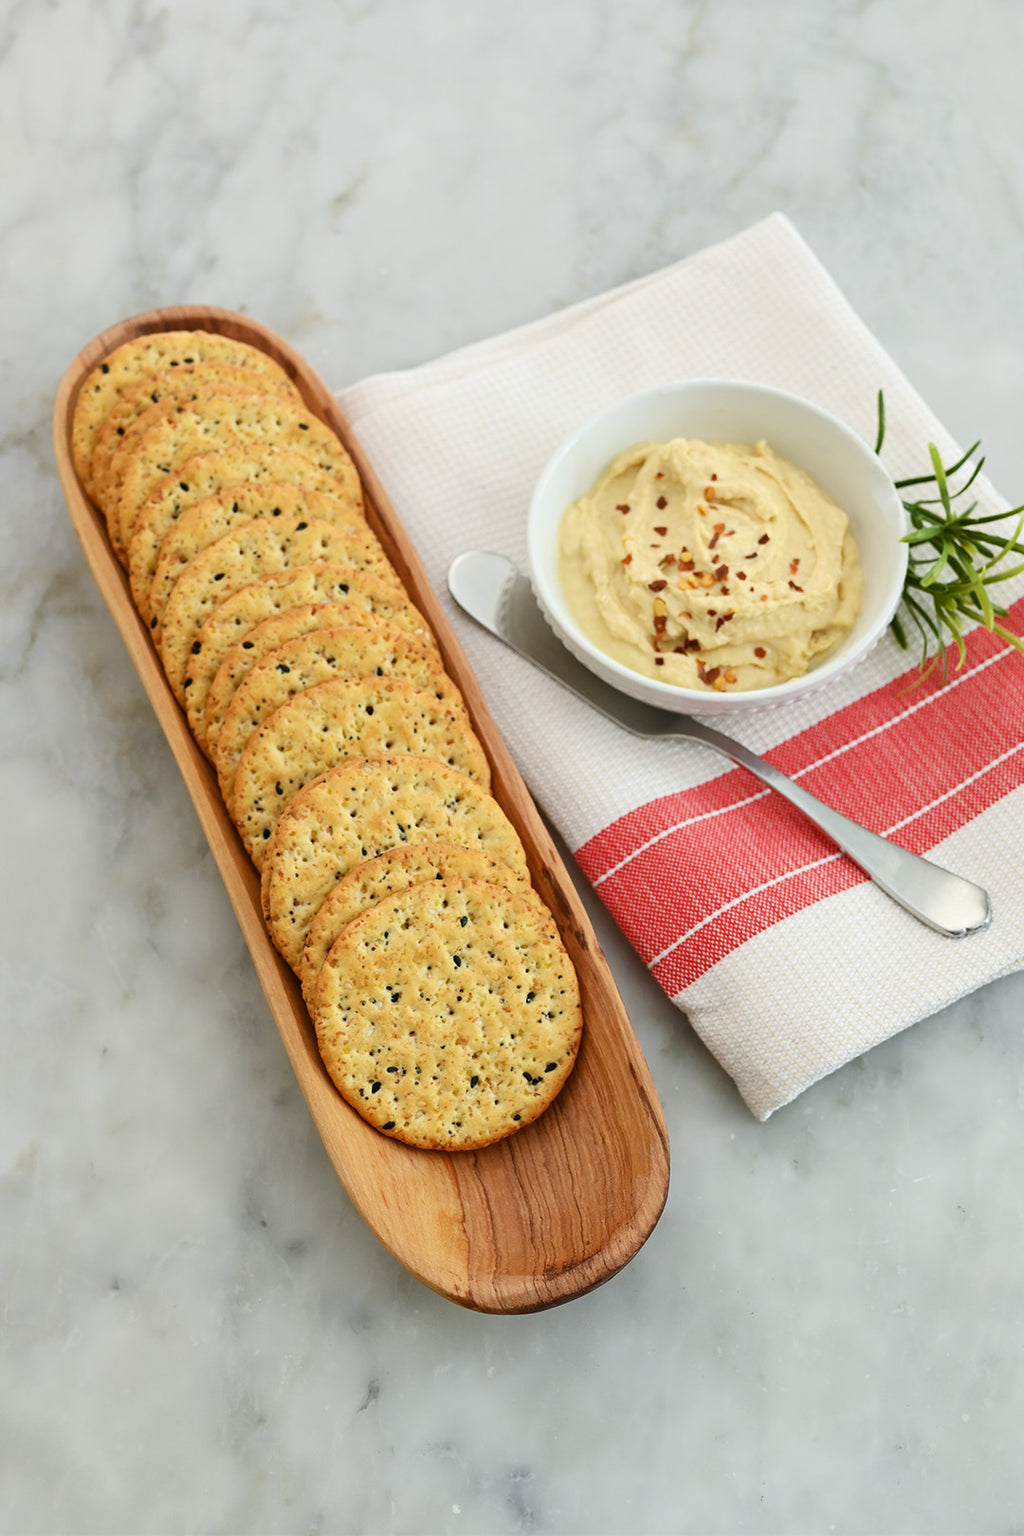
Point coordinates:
[(561, 1206)]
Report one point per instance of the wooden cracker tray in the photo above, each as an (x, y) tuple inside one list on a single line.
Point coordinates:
[(560, 1207)]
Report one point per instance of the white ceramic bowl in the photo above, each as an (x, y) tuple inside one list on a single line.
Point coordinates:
[(722, 410)]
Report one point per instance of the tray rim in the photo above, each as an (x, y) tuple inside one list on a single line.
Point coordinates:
[(466, 1172)]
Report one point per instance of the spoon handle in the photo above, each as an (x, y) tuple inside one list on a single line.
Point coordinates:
[(491, 590), (946, 902)]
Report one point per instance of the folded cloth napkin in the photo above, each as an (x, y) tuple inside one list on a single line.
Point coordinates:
[(786, 959)]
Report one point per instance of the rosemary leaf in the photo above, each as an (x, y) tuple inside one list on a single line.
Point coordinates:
[(927, 479), (956, 557), (880, 439), (1010, 637)]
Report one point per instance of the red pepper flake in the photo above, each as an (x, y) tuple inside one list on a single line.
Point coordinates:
[(741, 575), (622, 506), (714, 477), (662, 530), (659, 661), (660, 475), (667, 561), (661, 502), (719, 530), (721, 572), (687, 564), (759, 650), (711, 676), (794, 566), (763, 539), (709, 493), (724, 590), (795, 587), (657, 586), (751, 556), (626, 560)]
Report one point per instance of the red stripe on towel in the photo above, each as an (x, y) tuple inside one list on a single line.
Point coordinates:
[(692, 876)]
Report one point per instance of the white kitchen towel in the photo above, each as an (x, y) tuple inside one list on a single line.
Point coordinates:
[(787, 961)]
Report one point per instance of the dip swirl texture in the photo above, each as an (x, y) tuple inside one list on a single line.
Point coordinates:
[(710, 565)]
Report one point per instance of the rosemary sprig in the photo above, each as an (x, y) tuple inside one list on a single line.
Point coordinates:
[(955, 560)]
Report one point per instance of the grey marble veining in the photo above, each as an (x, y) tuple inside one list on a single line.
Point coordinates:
[(197, 1332)]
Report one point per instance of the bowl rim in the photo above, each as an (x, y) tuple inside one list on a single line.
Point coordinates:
[(551, 596)]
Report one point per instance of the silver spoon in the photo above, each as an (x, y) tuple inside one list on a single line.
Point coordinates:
[(492, 591)]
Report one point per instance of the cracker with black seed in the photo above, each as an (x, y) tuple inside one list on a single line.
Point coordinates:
[(448, 1015), (172, 386), (257, 550), (348, 717), (388, 873), (210, 474), (363, 650), (306, 619), (168, 435), (305, 593), (363, 808), (234, 508), (135, 360)]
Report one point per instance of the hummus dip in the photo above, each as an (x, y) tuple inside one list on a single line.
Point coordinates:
[(710, 565)]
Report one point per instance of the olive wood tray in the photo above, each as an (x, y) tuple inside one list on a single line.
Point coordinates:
[(556, 1209)]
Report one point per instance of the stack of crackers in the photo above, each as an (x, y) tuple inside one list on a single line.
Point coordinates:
[(446, 1009)]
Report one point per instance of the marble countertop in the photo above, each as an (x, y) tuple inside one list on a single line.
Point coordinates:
[(197, 1332)]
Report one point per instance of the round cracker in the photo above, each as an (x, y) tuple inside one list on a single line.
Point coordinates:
[(212, 518), (172, 434), (448, 1015), (389, 872), (173, 386), (293, 624), (359, 809), (209, 474), (233, 620), (363, 650), (347, 717), (134, 360), (238, 559)]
